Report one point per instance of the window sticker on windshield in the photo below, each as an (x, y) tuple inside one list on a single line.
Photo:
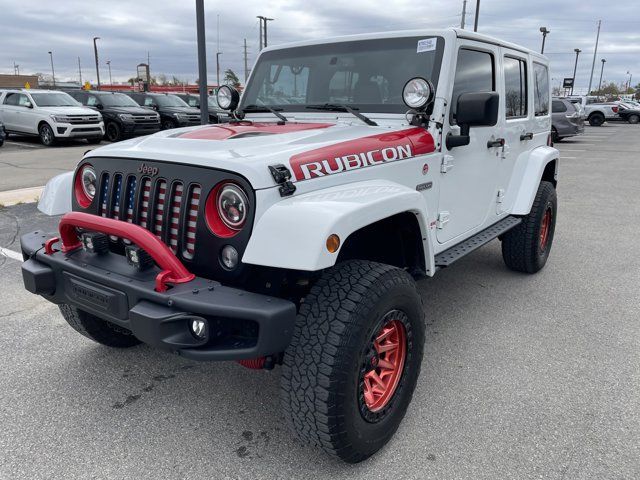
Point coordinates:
[(427, 45)]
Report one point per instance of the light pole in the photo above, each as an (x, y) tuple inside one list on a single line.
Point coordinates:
[(53, 72), (263, 30), (629, 81), (544, 32), (475, 23), (202, 63), (95, 51), (109, 65), (575, 68), (218, 67), (601, 72)]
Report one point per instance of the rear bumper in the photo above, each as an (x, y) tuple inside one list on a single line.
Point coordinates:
[(241, 324)]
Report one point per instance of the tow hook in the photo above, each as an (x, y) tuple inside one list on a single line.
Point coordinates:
[(282, 176)]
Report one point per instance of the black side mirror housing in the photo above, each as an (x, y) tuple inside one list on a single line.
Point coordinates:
[(474, 110), (99, 106)]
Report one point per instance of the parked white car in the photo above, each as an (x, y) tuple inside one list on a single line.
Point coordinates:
[(49, 114)]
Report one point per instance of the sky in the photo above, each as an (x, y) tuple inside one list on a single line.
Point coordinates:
[(128, 30)]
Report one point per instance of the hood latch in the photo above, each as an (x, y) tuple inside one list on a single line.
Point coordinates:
[(282, 177)]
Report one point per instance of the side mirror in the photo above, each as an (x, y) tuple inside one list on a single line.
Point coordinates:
[(474, 110), (99, 106), (28, 105)]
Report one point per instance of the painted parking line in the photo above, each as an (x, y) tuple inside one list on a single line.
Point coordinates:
[(26, 145), (570, 150), (11, 254), (568, 158)]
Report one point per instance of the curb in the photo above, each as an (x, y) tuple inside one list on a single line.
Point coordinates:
[(23, 195)]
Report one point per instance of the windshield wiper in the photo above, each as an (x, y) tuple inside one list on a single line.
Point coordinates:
[(265, 108), (338, 107)]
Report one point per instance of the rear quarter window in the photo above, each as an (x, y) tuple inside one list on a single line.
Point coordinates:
[(558, 106), (541, 89)]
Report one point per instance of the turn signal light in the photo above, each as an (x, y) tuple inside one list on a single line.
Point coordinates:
[(333, 243)]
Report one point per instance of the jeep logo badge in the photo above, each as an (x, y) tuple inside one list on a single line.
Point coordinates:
[(147, 170)]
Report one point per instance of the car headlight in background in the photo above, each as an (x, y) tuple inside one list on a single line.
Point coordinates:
[(180, 116), (86, 185), (125, 117), (60, 118)]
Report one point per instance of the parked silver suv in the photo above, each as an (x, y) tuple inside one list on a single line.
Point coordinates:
[(49, 114), (567, 119)]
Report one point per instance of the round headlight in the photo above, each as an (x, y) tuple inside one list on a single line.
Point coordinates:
[(85, 185), (417, 93), (227, 97), (232, 206)]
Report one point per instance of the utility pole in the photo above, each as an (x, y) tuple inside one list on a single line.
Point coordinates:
[(544, 32), (601, 73), (16, 69), (148, 67), (260, 36), (53, 72), (109, 65), (575, 68), (246, 70), (202, 63), (263, 30), (595, 52), (80, 72), (475, 24), (95, 52), (464, 14)]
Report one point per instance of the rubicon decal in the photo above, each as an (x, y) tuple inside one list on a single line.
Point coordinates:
[(362, 152)]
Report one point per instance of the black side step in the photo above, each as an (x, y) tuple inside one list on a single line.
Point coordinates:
[(467, 246)]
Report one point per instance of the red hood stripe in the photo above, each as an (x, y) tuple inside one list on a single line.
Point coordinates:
[(228, 130), (362, 152)]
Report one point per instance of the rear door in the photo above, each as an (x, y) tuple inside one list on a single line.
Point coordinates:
[(468, 188), (9, 109)]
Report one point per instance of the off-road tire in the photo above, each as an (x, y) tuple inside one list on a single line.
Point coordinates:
[(596, 120), (633, 119), (523, 249), (113, 132), (322, 376), (554, 135), (98, 330), (47, 137)]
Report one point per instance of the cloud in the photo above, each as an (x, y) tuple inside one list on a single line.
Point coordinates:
[(129, 30)]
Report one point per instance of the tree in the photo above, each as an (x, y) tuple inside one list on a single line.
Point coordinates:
[(161, 79), (230, 78)]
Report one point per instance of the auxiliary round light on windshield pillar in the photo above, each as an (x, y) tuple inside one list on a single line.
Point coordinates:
[(417, 93), (228, 98)]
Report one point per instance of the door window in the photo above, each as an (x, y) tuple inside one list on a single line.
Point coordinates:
[(475, 72), (515, 87), (541, 89), (148, 102), (92, 101), (11, 99), (558, 106)]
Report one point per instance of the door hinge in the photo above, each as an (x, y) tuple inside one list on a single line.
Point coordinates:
[(447, 163), (443, 219)]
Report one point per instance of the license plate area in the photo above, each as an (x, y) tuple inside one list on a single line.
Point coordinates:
[(95, 297)]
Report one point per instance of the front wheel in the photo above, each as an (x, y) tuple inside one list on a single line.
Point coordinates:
[(96, 329), (526, 247), (352, 366), (169, 124), (596, 120), (47, 138), (113, 132), (633, 119)]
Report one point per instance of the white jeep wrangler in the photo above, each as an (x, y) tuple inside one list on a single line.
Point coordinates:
[(293, 235)]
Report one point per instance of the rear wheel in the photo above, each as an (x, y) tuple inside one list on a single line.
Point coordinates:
[(596, 120), (47, 138), (526, 247), (352, 366), (634, 119), (113, 132), (96, 329)]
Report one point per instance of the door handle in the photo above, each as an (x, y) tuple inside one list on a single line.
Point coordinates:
[(526, 136), (497, 143)]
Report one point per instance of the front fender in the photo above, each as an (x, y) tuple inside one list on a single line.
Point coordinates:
[(56, 196), (527, 175), (292, 233)]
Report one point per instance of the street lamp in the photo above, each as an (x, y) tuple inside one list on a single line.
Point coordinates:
[(601, 72), (544, 32), (95, 51), (629, 81), (575, 68), (109, 65), (53, 72)]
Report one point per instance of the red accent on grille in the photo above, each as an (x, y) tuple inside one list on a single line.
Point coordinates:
[(159, 213), (174, 216), (144, 207), (193, 204), (212, 215), (82, 198)]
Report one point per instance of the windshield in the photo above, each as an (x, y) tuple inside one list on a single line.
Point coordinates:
[(117, 100), (54, 99), (169, 101), (365, 74), (213, 103)]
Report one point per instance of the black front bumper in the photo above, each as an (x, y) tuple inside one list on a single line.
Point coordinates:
[(241, 324), (135, 129)]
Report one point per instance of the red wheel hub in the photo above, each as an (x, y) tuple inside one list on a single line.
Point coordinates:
[(545, 228), (386, 363)]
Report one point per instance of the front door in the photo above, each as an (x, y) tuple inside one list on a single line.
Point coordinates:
[(468, 188)]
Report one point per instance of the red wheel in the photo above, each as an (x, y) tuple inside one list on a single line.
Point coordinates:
[(545, 227), (386, 363)]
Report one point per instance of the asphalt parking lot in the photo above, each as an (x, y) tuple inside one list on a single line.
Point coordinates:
[(523, 376)]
